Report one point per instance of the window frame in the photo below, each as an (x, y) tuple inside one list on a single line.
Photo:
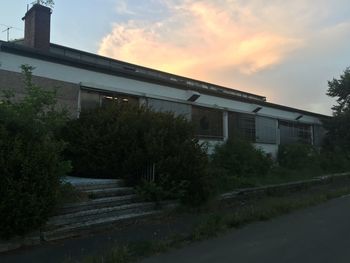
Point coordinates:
[(219, 125), (105, 93)]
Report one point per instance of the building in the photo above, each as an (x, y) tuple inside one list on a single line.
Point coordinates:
[(87, 80)]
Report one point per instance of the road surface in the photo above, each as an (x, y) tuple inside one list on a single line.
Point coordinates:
[(317, 234)]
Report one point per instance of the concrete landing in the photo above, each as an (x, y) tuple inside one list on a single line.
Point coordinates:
[(76, 181)]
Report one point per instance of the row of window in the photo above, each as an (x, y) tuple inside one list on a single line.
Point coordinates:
[(92, 99), (209, 122)]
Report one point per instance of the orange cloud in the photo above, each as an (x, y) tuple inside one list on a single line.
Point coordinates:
[(199, 38)]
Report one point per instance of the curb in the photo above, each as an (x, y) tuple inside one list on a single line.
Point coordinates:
[(253, 191)]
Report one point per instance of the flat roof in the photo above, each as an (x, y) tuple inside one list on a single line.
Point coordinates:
[(77, 58)]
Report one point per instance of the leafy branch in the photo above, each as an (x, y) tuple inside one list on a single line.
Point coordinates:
[(48, 3)]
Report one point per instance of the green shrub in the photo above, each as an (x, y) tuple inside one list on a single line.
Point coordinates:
[(120, 141), (335, 161), (241, 159), (151, 191), (299, 157), (30, 159)]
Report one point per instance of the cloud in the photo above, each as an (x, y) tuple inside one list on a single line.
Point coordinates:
[(286, 50), (122, 8), (198, 38)]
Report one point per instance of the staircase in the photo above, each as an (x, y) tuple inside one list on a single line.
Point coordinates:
[(109, 203)]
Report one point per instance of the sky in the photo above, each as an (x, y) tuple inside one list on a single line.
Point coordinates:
[(284, 50)]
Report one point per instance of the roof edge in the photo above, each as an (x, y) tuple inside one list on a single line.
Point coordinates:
[(44, 55)]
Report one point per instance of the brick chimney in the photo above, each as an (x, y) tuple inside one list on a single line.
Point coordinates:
[(37, 27)]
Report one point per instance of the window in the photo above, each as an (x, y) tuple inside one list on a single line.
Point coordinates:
[(265, 130), (319, 134), (169, 106), (241, 125), (293, 132), (90, 99), (208, 122)]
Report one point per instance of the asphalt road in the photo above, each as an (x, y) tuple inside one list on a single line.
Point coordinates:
[(317, 234)]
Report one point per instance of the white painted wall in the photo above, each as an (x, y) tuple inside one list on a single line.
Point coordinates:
[(93, 79)]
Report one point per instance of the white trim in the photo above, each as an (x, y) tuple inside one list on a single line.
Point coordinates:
[(12, 62), (225, 125)]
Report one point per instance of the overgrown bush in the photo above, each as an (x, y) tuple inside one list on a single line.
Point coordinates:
[(121, 141), (30, 159), (334, 161), (240, 158), (299, 157)]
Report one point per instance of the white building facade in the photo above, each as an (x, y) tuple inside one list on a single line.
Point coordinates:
[(86, 80)]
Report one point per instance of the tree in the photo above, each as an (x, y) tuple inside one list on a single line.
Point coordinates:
[(338, 127), (31, 163), (121, 141), (340, 89)]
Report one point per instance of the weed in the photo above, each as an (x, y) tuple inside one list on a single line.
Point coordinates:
[(221, 220)]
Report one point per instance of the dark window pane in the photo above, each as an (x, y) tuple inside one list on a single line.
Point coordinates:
[(319, 134), (293, 132), (107, 100), (169, 106), (89, 100), (265, 130), (241, 126), (208, 122)]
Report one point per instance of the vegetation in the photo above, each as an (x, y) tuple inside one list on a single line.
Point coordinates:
[(214, 221), (122, 141), (48, 3), (240, 158), (237, 163), (338, 138), (340, 89), (299, 157), (30, 158)]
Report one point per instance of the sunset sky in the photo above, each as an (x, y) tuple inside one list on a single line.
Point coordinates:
[(284, 50)]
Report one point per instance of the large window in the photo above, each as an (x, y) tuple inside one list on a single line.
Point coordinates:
[(208, 122), (294, 132), (90, 99), (169, 106), (319, 134), (265, 130), (241, 126)]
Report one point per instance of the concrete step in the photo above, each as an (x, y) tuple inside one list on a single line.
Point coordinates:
[(100, 185), (98, 203), (109, 192), (94, 214), (83, 228)]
